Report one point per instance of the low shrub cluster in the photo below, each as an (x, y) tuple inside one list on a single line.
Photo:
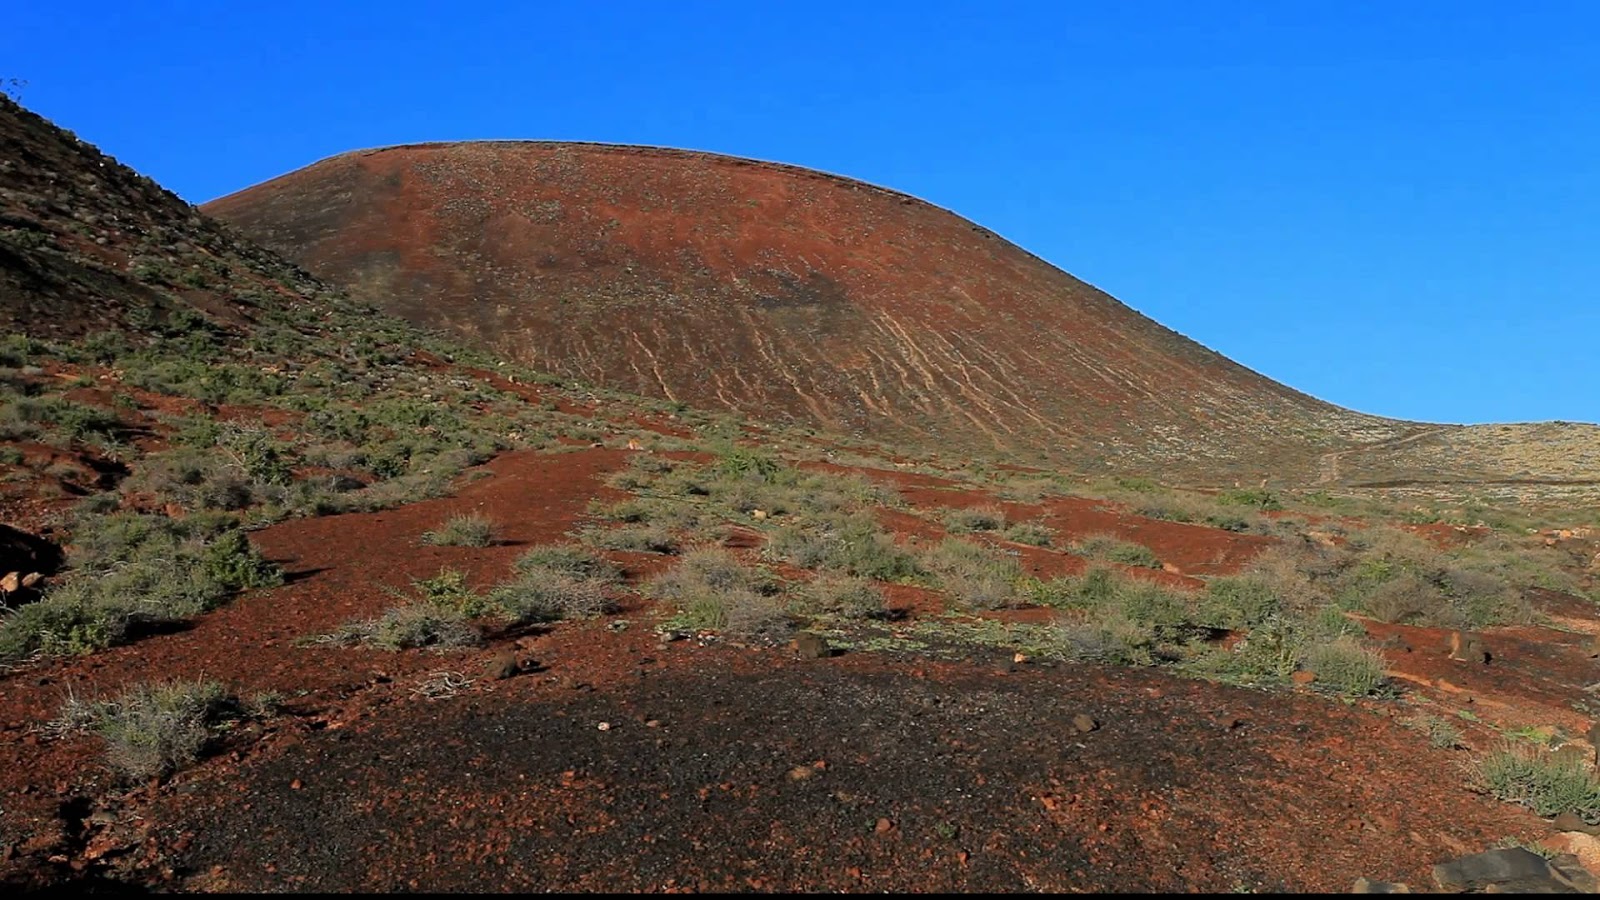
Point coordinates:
[(130, 573), (714, 591), (152, 730)]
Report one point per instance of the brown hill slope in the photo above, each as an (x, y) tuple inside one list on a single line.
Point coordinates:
[(87, 244), (783, 293)]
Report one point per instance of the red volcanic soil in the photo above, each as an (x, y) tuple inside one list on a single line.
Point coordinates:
[(777, 291), (622, 762)]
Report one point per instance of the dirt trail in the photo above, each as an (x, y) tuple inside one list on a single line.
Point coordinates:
[(1328, 464)]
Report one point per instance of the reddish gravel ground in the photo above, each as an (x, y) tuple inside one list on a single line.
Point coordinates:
[(742, 768)]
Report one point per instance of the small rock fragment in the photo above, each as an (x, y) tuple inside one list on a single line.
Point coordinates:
[(604, 726), (1303, 676), (884, 826), (1083, 723), (802, 773)]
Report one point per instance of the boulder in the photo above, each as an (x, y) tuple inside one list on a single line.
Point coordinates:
[(1507, 869)]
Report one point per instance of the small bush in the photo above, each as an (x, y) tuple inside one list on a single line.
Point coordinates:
[(153, 729), (852, 544), (470, 530), (547, 595), (1030, 533), (981, 518), (129, 572), (844, 596), (557, 582), (714, 591), (571, 560), (413, 625), (1442, 733), (1108, 548), (1260, 499), (448, 592), (1346, 665), (976, 577), (1545, 783)]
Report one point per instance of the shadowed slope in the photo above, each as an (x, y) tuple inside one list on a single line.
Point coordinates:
[(780, 292), (87, 244)]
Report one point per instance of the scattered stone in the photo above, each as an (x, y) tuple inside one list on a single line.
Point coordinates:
[(758, 514), (802, 773), (884, 826), (296, 785), (1575, 870), (1083, 723), (604, 726), (1020, 658), (1303, 677), (811, 646), (504, 665), (1363, 886), (31, 579), (10, 582), (1511, 868)]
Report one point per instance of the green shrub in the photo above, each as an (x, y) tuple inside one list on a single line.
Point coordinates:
[(556, 582), (129, 572), (714, 591), (1546, 783), (742, 462), (571, 560), (851, 544), (981, 518), (1109, 548), (1345, 664), (976, 577), (1030, 533), (413, 625), (469, 530), (1260, 499), (844, 596), (1442, 733), (155, 729), (448, 592)]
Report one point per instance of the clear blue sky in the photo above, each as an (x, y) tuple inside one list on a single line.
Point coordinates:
[(1394, 206)]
